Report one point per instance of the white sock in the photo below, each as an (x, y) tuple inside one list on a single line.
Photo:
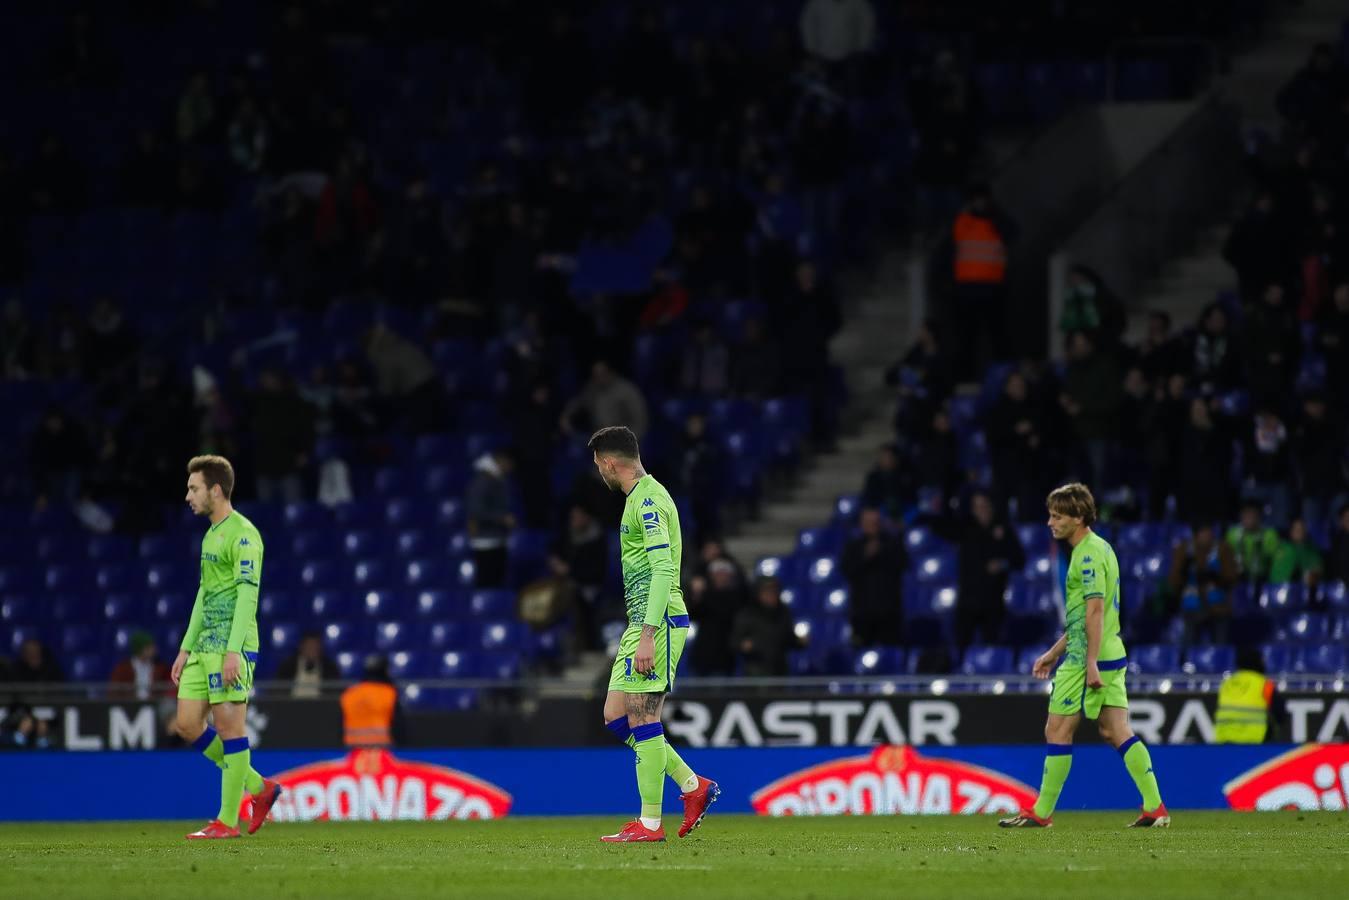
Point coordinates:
[(690, 784), (650, 824)]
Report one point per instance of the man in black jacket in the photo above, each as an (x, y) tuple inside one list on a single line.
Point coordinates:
[(874, 564), (989, 552), (763, 633)]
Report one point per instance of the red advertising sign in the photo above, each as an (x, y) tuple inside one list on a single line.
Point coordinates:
[(370, 785), (892, 779), (1312, 777)]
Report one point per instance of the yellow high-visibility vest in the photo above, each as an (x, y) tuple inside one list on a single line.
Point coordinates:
[(1243, 708)]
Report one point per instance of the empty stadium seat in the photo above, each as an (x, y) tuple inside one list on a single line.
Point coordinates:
[(1154, 659), (1320, 659), (331, 606), (457, 664), (878, 661), (392, 635), (279, 639), (340, 636), (436, 604), (1210, 660), (1278, 658), (370, 573), (492, 604), (986, 660)]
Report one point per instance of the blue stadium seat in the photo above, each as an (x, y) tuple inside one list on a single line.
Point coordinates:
[(464, 573), (426, 573), (78, 637), (1320, 659), (1154, 659), (331, 606), (381, 603), (1278, 658), (110, 548), (1304, 628), (279, 639), (411, 542), (360, 543), (19, 609), (160, 578), (20, 633), (986, 660), (338, 636), (878, 661), (846, 509), (1039, 566), (393, 635), (123, 609), (457, 664), (306, 516), (834, 600), (1142, 537), (435, 448), (89, 667), (821, 569), (317, 575), (449, 514), (446, 636), (492, 604), (770, 567), (502, 635), (797, 598), (1336, 595), (1025, 659), (1026, 598), (68, 578), (401, 512), (19, 579), (1149, 566), (370, 573), (349, 663), (1210, 660), (175, 607), (433, 604), (275, 604), (359, 515), (502, 666), (391, 481), (528, 549), (1034, 537), (405, 664), (826, 541), (1281, 598), (73, 608)]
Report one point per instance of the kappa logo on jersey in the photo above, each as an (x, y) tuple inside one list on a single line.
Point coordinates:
[(651, 520), (243, 542), (1086, 559), (1312, 777), (648, 502)]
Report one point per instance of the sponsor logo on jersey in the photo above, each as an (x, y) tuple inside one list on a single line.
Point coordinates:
[(892, 780), (375, 785), (651, 520), (1312, 777)]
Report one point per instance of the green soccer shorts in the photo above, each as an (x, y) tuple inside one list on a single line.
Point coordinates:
[(1071, 695), (669, 646), (201, 679)]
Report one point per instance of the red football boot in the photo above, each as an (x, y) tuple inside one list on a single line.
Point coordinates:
[(262, 804), (1158, 818), (1026, 819), (636, 833), (696, 803), (215, 830)]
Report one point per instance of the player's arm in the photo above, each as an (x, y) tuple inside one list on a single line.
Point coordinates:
[(1094, 594), (1044, 666), (189, 638), (247, 567), (656, 542)]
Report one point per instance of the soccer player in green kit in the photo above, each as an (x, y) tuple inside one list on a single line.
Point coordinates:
[(1090, 680), (658, 622), (214, 668)]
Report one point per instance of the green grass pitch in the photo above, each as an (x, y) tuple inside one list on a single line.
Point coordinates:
[(1211, 854)]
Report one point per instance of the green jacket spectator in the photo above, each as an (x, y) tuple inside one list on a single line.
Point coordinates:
[(1254, 544), (1297, 559)]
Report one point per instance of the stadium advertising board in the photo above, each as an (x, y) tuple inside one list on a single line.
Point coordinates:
[(777, 720), (470, 783)]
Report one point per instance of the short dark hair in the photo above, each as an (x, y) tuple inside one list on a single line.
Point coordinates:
[(616, 440), (214, 470)]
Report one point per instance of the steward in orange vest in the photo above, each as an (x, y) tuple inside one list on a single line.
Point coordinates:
[(370, 708)]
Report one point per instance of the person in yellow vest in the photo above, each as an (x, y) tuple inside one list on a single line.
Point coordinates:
[(980, 236), (370, 713), (1246, 702)]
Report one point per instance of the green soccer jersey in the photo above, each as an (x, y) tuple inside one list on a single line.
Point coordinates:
[(225, 613), (651, 545), (1093, 571)]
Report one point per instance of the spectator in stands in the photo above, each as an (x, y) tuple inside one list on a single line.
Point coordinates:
[(59, 454), (606, 399), (1092, 397), (1271, 346), (702, 467), (141, 673), (1269, 466), (1203, 481), (935, 456), (1202, 574), (1260, 246), (372, 717), (1297, 561), (888, 487), (249, 136), (874, 563), (1161, 354), (715, 596), (706, 363), (1332, 340), (837, 30), (1216, 361), (533, 428), (282, 425), (579, 553), (487, 506), (923, 379), (308, 668), (763, 633), (1253, 542), (347, 216), (406, 380), (35, 665), (989, 552), (1089, 307), (945, 109), (196, 109), (22, 730), (756, 365), (18, 342), (980, 237), (1318, 451), (109, 342), (1338, 561), (1013, 428)]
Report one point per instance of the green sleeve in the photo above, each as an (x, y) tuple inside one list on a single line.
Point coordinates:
[(193, 624), (656, 542), (245, 615)]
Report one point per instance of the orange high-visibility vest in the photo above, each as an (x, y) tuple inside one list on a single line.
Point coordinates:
[(367, 714), (980, 254)]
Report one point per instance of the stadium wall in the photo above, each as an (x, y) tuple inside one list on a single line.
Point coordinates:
[(481, 783)]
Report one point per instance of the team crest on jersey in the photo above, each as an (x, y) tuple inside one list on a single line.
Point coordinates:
[(651, 520)]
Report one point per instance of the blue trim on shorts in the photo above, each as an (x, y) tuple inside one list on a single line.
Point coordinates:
[(235, 745), (1059, 750), (648, 731), (203, 742), (1124, 747), (677, 621), (1112, 665)]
